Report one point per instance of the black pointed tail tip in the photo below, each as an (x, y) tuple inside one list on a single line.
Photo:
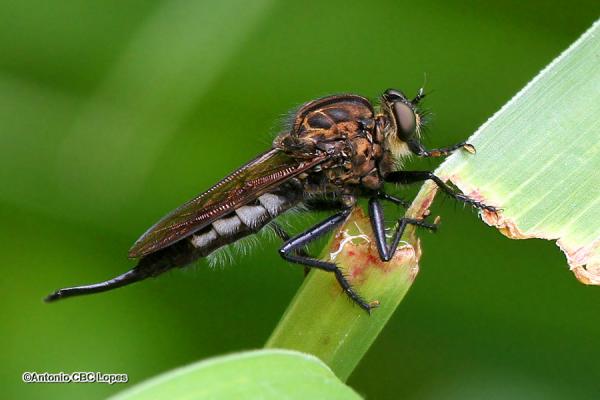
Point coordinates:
[(125, 279), (54, 296)]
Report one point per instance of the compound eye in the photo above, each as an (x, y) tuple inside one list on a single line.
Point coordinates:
[(393, 94), (406, 122)]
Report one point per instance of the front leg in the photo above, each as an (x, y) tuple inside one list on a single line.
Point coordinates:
[(417, 148), (393, 199), (407, 177), (386, 252)]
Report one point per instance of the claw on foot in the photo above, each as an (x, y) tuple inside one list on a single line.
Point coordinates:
[(470, 148), (374, 304), (368, 307)]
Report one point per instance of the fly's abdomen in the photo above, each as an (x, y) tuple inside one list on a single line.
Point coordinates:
[(245, 220)]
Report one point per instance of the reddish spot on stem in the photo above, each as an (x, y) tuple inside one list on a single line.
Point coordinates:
[(371, 259), (357, 272), (354, 247)]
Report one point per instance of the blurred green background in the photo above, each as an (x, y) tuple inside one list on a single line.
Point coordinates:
[(112, 113)]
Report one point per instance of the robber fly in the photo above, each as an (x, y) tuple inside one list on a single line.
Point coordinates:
[(337, 149)]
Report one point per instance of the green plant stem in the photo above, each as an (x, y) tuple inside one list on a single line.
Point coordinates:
[(321, 320)]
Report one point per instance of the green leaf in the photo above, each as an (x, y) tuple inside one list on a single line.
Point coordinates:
[(538, 159), (262, 374), (321, 319)]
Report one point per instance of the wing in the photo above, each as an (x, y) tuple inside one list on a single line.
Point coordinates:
[(241, 187)]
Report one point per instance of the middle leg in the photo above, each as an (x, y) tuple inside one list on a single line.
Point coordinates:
[(386, 252)]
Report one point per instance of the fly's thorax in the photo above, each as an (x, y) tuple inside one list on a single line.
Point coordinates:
[(345, 129), (320, 125), (332, 111), (299, 147), (353, 162)]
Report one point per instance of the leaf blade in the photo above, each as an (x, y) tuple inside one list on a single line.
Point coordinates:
[(264, 374), (538, 159)]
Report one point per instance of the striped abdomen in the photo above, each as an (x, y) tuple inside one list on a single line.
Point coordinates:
[(243, 221)]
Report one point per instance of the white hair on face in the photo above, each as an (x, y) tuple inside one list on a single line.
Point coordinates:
[(398, 148)]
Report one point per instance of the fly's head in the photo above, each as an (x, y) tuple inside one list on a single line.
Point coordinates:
[(401, 121)]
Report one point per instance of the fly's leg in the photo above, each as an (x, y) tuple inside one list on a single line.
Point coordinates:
[(407, 177), (312, 204), (288, 252), (283, 235), (328, 204), (417, 148), (386, 251), (393, 199)]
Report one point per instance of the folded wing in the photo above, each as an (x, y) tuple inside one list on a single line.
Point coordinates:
[(240, 188)]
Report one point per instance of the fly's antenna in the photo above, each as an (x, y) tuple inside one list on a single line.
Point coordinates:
[(421, 92), (129, 277)]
